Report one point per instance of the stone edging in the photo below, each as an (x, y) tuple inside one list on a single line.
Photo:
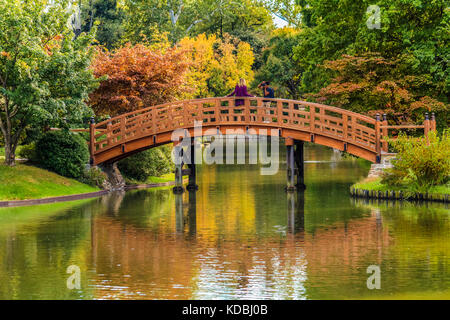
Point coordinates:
[(398, 195), (80, 196)]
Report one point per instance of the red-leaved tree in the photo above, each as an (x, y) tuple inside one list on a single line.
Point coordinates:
[(137, 77), (371, 84)]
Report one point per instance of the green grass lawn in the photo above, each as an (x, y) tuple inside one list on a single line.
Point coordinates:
[(164, 178), (27, 182), (376, 185)]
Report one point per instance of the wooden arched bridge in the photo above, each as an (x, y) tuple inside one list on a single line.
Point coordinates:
[(124, 135)]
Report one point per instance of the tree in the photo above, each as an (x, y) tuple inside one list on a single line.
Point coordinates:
[(279, 66), (414, 31), (216, 65), (137, 77), (107, 16), (371, 84), (181, 18), (44, 74)]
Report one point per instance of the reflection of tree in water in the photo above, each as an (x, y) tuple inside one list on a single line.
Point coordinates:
[(34, 258), (154, 264), (421, 253)]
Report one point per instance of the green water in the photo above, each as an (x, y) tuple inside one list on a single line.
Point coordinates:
[(239, 237)]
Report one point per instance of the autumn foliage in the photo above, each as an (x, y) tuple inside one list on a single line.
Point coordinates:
[(371, 84), (216, 65), (137, 77)]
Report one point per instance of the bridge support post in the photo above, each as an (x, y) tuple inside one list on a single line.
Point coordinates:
[(295, 165), (178, 188), (290, 161), (300, 163), (192, 185)]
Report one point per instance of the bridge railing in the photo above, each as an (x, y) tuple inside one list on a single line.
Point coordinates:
[(304, 116)]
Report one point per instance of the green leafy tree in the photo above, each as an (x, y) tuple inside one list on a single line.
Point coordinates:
[(279, 66), (152, 162), (416, 33), (108, 16), (181, 18), (44, 73)]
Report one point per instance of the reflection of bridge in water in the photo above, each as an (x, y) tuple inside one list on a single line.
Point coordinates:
[(295, 121), (186, 213), (190, 263)]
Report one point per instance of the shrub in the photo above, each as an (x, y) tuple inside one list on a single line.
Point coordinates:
[(28, 152), (93, 177), (63, 152), (152, 162), (420, 164)]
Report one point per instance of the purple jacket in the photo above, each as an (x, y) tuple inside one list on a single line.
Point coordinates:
[(240, 92)]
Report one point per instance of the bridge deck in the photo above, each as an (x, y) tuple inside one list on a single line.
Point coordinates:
[(121, 136)]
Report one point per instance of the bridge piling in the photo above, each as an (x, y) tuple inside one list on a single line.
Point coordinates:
[(295, 165), (300, 163), (290, 161), (178, 188), (192, 185)]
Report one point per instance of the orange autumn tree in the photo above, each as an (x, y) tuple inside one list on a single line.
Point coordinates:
[(137, 77)]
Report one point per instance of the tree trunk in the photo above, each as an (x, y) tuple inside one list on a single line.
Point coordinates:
[(10, 153)]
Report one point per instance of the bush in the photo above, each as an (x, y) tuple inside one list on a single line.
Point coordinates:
[(152, 162), (93, 177), (63, 152), (420, 165), (28, 152)]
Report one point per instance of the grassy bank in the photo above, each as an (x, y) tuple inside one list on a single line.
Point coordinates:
[(27, 182), (374, 184), (164, 178)]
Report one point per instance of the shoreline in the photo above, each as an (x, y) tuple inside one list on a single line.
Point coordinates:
[(398, 195), (80, 196)]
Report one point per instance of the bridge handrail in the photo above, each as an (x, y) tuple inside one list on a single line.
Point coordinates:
[(340, 125), (307, 103)]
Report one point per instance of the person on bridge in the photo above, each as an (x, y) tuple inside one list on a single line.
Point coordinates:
[(268, 92), (240, 91)]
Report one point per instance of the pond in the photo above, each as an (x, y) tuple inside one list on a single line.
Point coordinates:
[(240, 236)]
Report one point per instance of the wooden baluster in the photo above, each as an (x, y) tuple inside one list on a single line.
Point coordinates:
[(122, 129), (426, 124), (247, 110), (153, 120), (108, 132), (322, 119), (312, 118), (291, 113), (353, 121), (280, 112), (384, 133), (217, 103), (377, 137), (345, 127), (92, 140), (433, 122)]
